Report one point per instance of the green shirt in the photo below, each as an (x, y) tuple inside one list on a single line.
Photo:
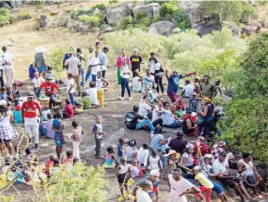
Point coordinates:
[(86, 102), (207, 89)]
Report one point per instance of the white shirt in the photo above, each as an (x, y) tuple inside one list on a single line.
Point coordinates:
[(143, 109), (136, 84), (143, 196), (7, 57), (73, 63), (220, 167), (93, 61), (188, 90), (130, 151), (104, 60), (70, 83), (92, 93), (157, 113), (142, 156), (124, 168), (99, 84), (125, 69), (37, 82), (167, 117)]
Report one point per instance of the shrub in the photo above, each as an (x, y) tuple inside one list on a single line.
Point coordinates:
[(249, 11), (56, 58), (23, 16), (101, 7), (140, 15), (92, 21), (181, 20), (168, 8), (125, 22), (5, 16)]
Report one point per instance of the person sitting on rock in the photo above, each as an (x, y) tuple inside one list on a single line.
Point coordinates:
[(50, 90)]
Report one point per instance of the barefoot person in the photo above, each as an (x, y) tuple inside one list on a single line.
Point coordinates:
[(98, 132), (58, 136)]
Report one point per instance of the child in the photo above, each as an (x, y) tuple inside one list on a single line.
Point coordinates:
[(68, 111), (10, 97), (15, 93), (76, 139), (135, 169), (45, 112), (68, 159), (206, 184), (37, 81), (49, 72), (98, 132), (121, 149), (32, 71), (49, 164), (86, 101), (123, 175), (17, 115), (57, 126), (45, 127), (193, 103), (71, 88), (101, 83), (158, 111), (110, 159)]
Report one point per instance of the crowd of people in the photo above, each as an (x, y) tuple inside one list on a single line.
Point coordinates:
[(189, 167)]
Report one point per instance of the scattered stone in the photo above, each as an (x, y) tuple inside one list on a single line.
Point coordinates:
[(235, 29), (151, 9), (95, 29), (108, 29), (250, 29), (162, 27), (43, 17), (116, 13), (177, 30), (43, 24)]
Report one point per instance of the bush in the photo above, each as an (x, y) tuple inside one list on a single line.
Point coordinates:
[(125, 22), (168, 8), (92, 21), (181, 20), (75, 13), (101, 7), (140, 15), (5, 16), (56, 58), (249, 11), (23, 16)]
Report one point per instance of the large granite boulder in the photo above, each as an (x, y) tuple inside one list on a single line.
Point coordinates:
[(11, 4), (114, 14), (151, 9), (164, 28)]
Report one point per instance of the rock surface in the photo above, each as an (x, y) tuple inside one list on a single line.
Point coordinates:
[(11, 4), (250, 29), (162, 27), (113, 14), (151, 9)]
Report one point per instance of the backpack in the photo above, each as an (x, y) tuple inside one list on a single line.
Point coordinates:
[(129, 118)]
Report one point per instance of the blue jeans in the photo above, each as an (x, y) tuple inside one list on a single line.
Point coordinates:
[(145, 122), (87, 75), (94, 77), (125, 85), (175, 124), (52, 101), (206, 125), (71, 96), (37, 93)]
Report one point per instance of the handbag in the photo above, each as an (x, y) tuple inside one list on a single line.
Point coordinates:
[(199, 120)]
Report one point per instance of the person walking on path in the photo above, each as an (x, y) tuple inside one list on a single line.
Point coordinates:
[(7, 61), (30, 118)]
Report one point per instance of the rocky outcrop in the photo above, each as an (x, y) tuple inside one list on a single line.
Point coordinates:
[(11, 4), (235, 29), (113, 14), (250, 29), (162, 27), (151, 9), (192, 10)]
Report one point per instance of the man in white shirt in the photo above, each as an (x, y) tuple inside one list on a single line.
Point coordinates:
[(144, 107), (71, 88), (94, 65), (7, 61), (92, 93), (143, 154), (188, 89), (74, 65)]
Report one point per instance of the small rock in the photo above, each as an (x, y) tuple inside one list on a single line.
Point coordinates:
[(108, 29), (177, 30), (43, 24), (235, 29), (95, 29), (43, 17)]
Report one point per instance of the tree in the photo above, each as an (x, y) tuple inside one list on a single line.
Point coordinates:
[(226, 10), (254, 70), (245, 126)]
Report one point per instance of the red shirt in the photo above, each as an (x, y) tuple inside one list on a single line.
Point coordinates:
[(29, 109), (49, 87), (69, 111)]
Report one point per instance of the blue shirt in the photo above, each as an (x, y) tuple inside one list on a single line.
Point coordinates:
[(103, 61), (17, 116), (173, 83), (155, 142), (119, 150)]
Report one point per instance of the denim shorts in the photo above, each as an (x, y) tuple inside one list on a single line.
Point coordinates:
[(217, 188)]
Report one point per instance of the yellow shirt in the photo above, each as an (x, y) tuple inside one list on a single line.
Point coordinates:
[(202, 179)]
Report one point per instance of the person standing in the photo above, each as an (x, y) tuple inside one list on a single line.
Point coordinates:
[(173, 84), (158, 77), (94, 65), (91, 54), (76, 138), (74, 65), (125, 74), (70, 83), (98, 132), (30, 118), (104, 61), (57, 126), (207, 88), (135, 61), (7, 61), (122, 57), (40, 61), (79, 55)]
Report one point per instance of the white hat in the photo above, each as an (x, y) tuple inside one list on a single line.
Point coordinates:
[(197, 168), (209, 156), (40, 49), (189, 145)]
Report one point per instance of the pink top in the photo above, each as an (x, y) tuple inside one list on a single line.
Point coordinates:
[(120, 61)]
